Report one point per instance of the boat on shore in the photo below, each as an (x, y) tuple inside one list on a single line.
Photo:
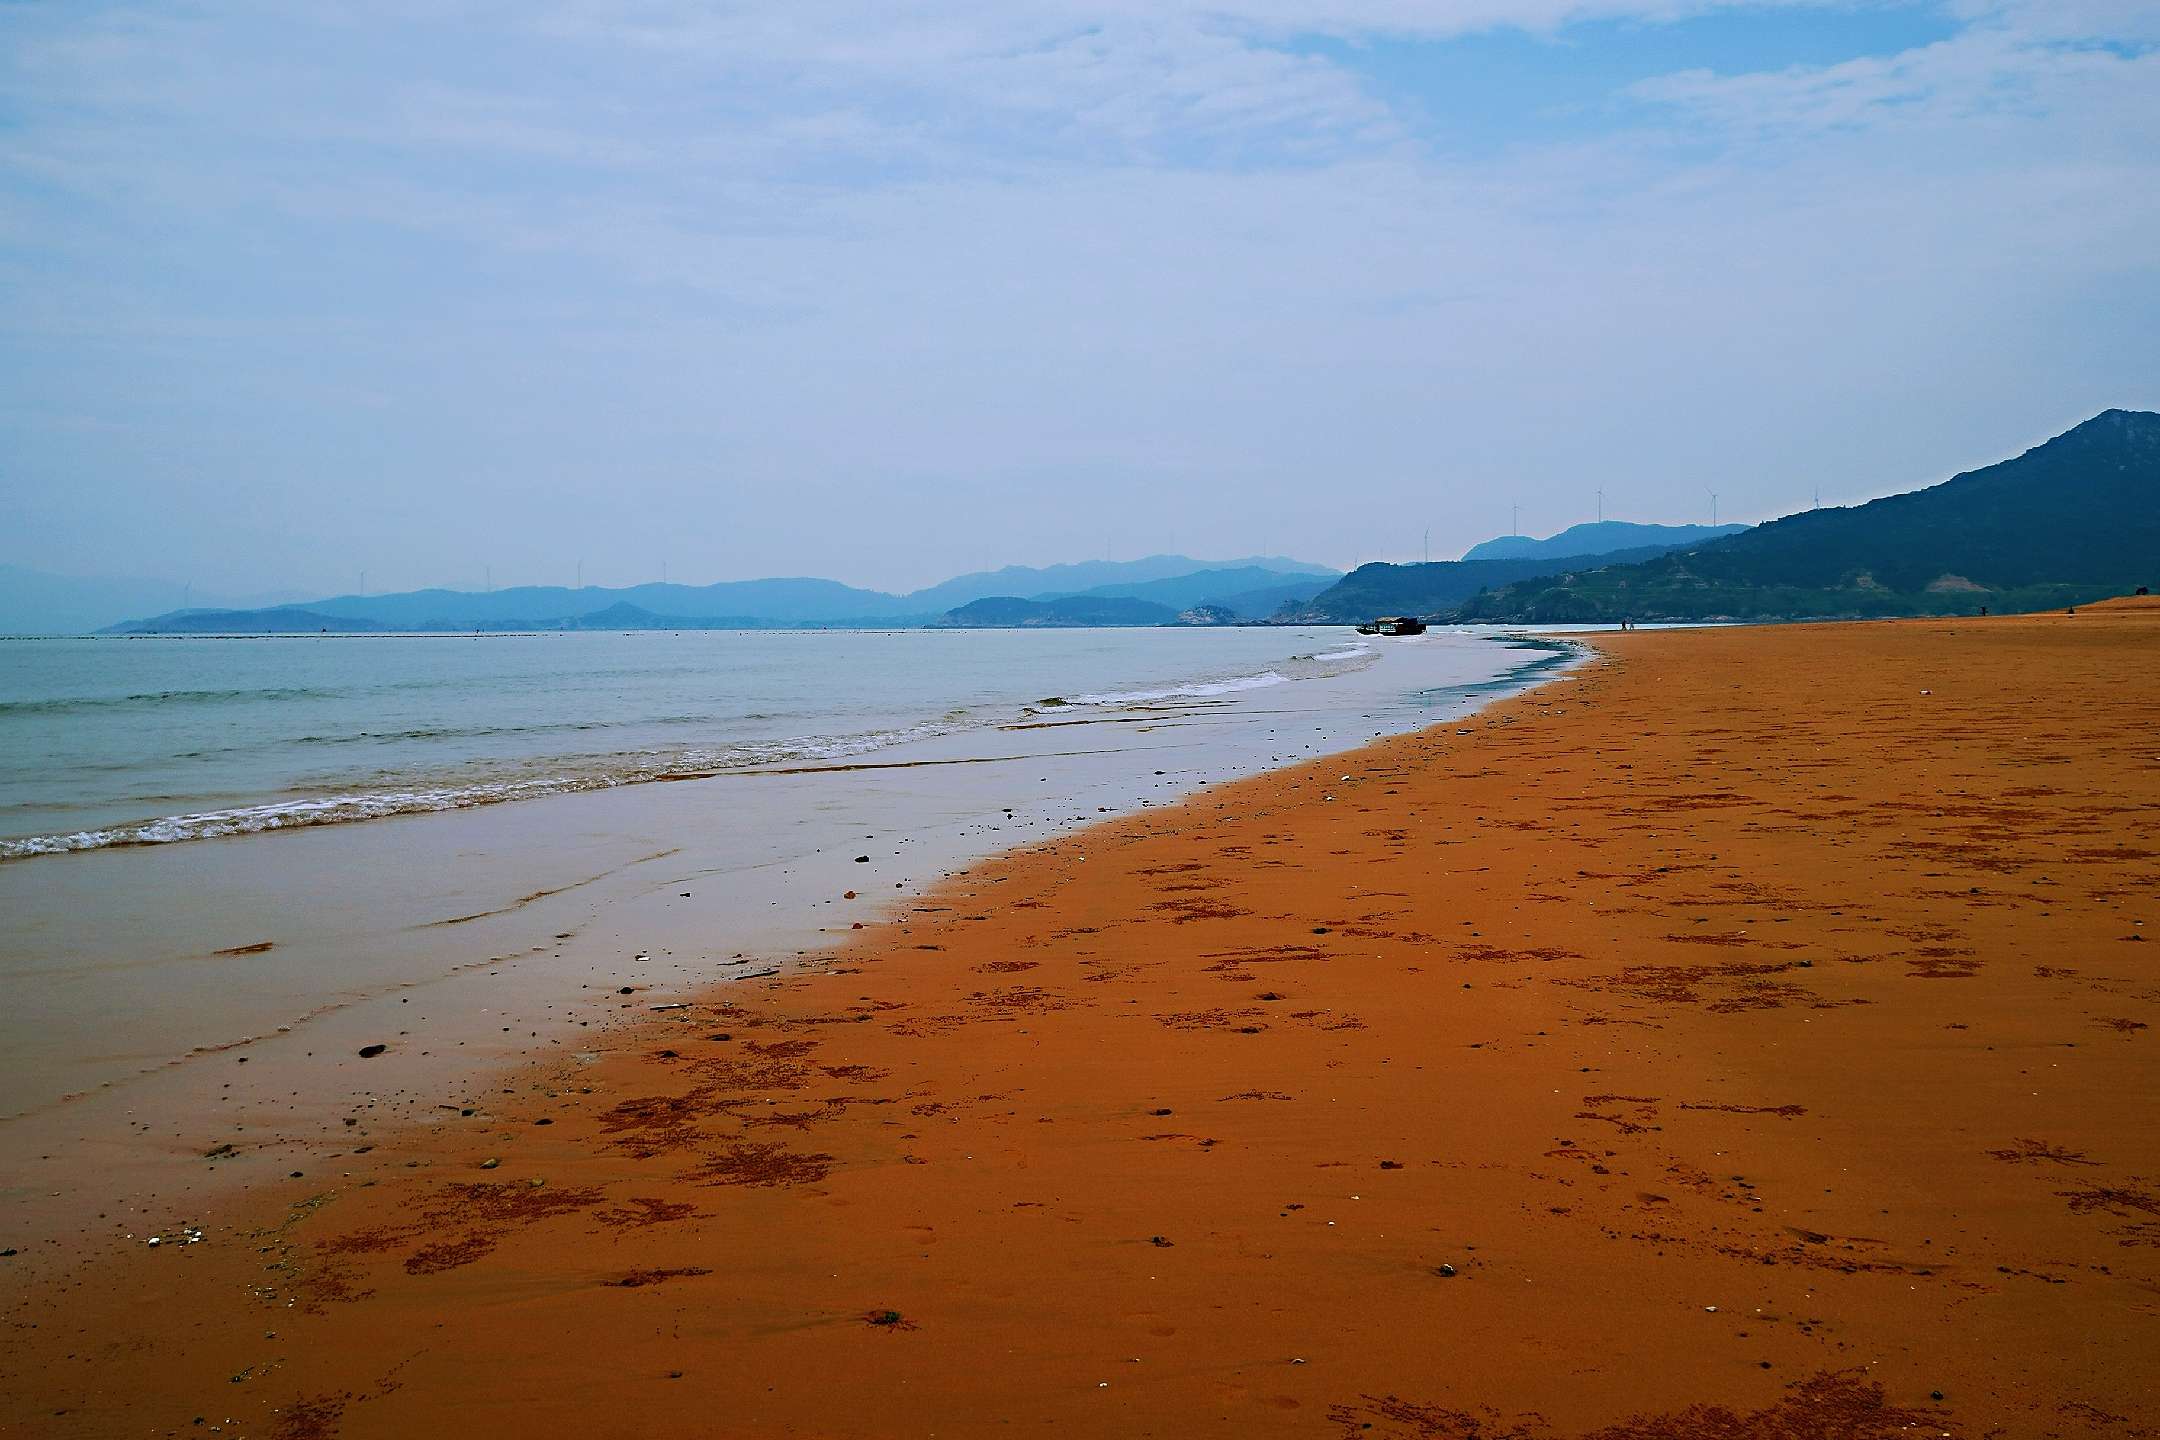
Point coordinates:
[(1393, 625)]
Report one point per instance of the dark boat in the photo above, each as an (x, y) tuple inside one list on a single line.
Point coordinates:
[(1395, 625)]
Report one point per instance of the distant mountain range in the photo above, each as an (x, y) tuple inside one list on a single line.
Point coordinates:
[(35, 602), (1006, 611), (1599, 537), (1250, 587), (2069, 521), (1210, 597), (1437, 587)]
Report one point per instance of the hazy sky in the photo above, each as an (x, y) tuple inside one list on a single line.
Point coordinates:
[(889, 289)]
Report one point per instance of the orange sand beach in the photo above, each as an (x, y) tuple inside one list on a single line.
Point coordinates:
[(1752, 1034)]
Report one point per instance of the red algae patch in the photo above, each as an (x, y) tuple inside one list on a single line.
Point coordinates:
[(749, 1163)]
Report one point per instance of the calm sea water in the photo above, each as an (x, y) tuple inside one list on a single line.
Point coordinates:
[(109, 742)]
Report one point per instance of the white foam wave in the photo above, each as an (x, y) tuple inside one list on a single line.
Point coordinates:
[(1184, 692), (599, 773)]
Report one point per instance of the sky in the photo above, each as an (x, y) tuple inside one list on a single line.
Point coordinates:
[(458, 291)]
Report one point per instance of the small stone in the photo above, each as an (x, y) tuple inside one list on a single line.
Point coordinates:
[(369, 1052)]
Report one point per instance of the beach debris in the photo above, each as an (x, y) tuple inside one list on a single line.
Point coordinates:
[(640, 957), (490, 1163), (674, 1005), (862, 859), (1445, 1272), (882, 1317), (1159, 1242), (369, 1052), (849, 895)]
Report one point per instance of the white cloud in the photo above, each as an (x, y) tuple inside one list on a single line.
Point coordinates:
[(998, 268)]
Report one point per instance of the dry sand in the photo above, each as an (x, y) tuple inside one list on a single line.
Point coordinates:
[(1746, 1036)]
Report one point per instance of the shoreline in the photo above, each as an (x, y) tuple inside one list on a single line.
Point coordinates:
[(1748, 1032), (475, 941)]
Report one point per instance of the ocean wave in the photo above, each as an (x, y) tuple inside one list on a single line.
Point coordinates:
[(1197, 691), (69, 704), (388, 799)]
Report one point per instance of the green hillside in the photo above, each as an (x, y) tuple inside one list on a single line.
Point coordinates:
[(1428, 589), (2068, 521)]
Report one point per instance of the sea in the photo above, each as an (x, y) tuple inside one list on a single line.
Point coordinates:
[(110, 742)]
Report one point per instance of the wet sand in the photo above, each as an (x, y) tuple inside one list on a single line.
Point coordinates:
[(1751, 1034)]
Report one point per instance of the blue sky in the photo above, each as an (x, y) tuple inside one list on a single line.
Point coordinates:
[(891, 290)]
